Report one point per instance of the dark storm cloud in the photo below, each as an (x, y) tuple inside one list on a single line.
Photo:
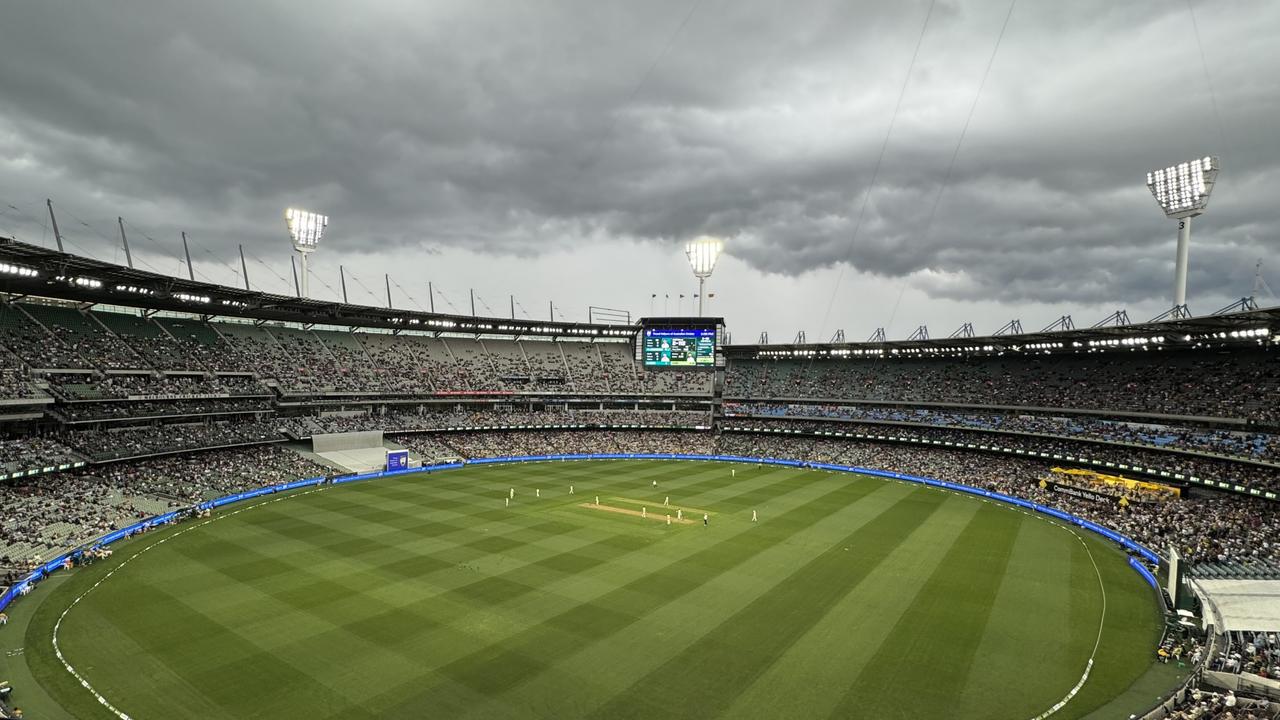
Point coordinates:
[(518, 128)]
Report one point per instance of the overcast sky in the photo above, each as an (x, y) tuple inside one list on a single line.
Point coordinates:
[(564, 151)]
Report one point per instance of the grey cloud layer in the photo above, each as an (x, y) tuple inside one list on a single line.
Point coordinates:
[(514, 128)]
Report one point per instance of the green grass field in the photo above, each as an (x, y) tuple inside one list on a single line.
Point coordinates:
[(423, 596)]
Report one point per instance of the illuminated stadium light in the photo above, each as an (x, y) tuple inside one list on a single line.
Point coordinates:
[(305, 230), (187, 297), (1182, 191), (18, 270), (703, 251), (80, 281)]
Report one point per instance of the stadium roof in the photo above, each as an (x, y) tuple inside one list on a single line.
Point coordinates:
[(71, 277), (1232, 327)]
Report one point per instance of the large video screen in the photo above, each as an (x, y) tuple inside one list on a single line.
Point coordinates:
[(679, 347)]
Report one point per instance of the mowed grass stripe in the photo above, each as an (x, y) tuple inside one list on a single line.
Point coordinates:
[(322, 589), (353, 545), (1039, 575), (1132, 627), (615, 597), (598, 672), (495, 668), (354, 531), (204, 653), (808, 679), (364, 616), (944, 622), (744, 645)]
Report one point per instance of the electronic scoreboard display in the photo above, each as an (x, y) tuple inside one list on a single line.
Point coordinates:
[(679, 347)]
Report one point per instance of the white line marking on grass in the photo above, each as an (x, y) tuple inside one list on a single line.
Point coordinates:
[(1101, 622), (57, 625)]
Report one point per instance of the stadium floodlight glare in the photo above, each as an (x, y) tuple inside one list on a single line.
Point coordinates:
[(305, 230), (1183, 193), (703, 251)]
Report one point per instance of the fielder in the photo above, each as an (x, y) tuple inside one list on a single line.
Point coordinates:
[(753, 516), (706, 520)]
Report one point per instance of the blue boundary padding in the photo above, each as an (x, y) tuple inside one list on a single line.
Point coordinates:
[(115, 535), (1145, 573)]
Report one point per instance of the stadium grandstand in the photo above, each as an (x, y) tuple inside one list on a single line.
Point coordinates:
[(131, 396)]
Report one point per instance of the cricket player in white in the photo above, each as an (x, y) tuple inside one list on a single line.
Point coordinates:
[(753, 516)]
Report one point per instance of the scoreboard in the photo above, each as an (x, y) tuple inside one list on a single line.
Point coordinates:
[(683, 347), (679, 343)]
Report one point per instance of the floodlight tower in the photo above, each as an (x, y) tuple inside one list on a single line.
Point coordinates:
[(305, 229), (703, 251), (1183, 192)]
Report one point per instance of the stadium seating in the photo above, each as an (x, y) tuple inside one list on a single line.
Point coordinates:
[(1238, 384), (135, 396)]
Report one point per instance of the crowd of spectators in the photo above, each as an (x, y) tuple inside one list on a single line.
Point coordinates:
[(1250, 652), (1176, 382), (15, 385), (124, 410), (84, 387), (1204, 467), (36, 346), (188, 478), (1252, 445), (1207, 705), (46, 513), (534, 442), (135, 441), (53, 512), (411, 421), (30, 452), (1219, 528)]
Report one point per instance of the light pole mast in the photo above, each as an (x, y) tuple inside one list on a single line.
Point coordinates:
[(703, 252), (1183, 193), (305, 230)]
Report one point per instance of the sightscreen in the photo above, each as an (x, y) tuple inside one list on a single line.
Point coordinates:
[(397, 460), (679, 347)]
